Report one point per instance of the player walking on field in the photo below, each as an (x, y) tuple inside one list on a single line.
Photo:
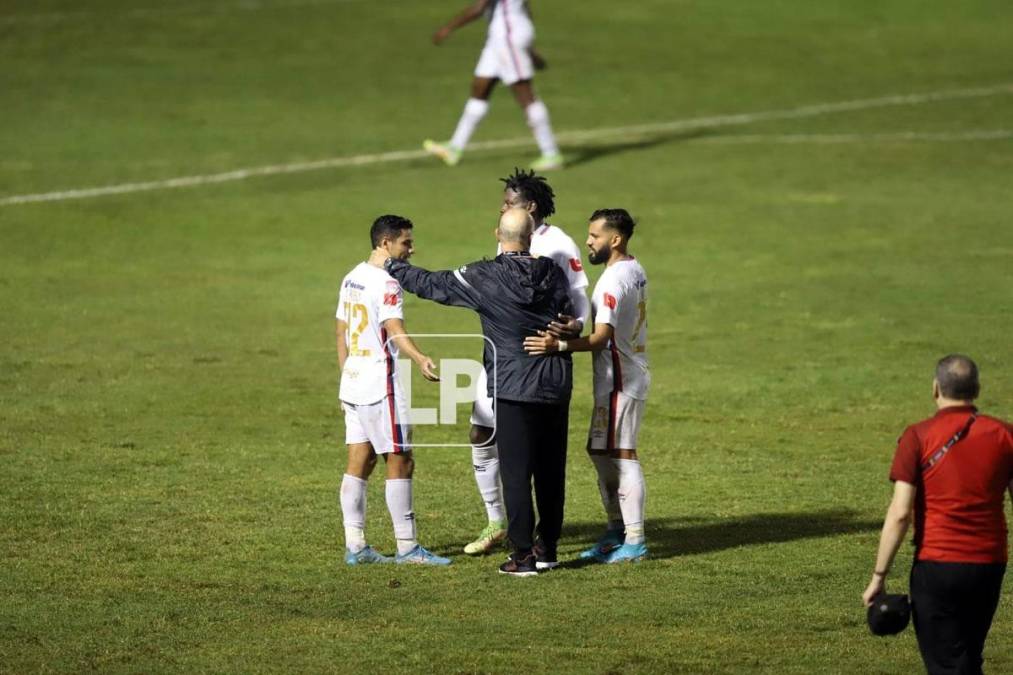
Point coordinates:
[(621, 381), (532, 193), (371, 334), (508, 57)]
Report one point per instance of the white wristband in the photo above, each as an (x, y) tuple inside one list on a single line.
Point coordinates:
[(561, 345)]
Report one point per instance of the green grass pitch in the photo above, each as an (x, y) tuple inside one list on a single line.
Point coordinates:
[(169, 432)]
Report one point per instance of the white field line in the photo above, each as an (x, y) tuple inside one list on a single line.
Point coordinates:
[(829, 139), (578, 137), (143, 12)]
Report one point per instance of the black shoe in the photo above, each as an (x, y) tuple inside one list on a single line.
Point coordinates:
[(545, 556), (520, 566)]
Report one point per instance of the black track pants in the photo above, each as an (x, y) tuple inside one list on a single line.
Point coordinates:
[(532, 448)]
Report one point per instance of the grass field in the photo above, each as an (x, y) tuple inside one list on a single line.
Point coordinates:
[(169, 431)]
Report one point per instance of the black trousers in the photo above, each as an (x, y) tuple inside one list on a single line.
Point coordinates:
[(532, 448), (953, 605)]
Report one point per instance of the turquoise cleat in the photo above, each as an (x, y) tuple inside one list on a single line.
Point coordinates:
[(366, 556), (611, 540), (420, 556), (626, 553)]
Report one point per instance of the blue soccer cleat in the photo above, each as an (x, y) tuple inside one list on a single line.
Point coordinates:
[(611, 540), (626, 553), (420, 556), (366, 556)]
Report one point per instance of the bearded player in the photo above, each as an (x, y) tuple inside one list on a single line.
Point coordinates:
[(621, 380), (371, 334), (532, 193)]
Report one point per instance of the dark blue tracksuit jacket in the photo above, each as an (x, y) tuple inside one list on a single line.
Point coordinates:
[(515, 295)]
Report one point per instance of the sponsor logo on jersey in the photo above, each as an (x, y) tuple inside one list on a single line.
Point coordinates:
[(575, 265), (392, 293), (610, 301)]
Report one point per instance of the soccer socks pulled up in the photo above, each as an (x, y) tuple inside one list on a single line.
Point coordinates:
[(474, 110), (399, 503), (485, 460), (538, 119), (608, 486), (353, 512), (632, 495)]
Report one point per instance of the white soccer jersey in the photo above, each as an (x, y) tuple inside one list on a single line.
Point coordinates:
[(549, 241), (509, 18), (620, 300), (369, 296)]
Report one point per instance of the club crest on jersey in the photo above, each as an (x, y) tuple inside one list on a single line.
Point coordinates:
[(575, 265), (392, 293), (610, 301)]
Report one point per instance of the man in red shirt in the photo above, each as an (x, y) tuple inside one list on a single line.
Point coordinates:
[(953, 471)]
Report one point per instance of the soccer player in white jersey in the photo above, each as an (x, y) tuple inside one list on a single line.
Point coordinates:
[(370, 336), (621, 381), (525, 190), (510, 58)]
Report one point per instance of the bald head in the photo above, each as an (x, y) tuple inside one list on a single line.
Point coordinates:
[(957, 376), (515, 228)]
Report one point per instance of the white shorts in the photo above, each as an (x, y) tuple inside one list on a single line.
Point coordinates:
[(383, 424), (615, 422), (483, 412), (506, 59)]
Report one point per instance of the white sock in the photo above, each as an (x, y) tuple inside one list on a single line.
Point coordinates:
[(485, 460), (632, 494), (353, 512), (474, 110), (608, 486), (538, 119), (399, 503)]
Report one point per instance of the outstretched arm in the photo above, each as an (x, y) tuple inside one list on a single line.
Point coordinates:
[(472, 12), (546, 343), (895, 526), (396, 330), (447, 288)]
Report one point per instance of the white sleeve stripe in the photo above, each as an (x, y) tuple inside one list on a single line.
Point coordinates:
[(460, 277)]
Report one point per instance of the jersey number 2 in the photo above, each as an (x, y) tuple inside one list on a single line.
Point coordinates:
[(354, 331)]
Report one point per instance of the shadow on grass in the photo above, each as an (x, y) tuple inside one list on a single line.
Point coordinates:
[(591, 152), (674, 537)]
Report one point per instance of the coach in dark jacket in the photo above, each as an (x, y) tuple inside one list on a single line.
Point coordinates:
[(515, 296)]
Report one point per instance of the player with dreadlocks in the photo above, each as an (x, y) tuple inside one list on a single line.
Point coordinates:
[(525, 190)]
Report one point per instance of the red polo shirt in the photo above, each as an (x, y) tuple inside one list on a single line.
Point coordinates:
[(959, 500)]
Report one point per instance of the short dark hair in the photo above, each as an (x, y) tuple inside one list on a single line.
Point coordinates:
[(388, 226), (533, 189), (957, 376), (619, 220)]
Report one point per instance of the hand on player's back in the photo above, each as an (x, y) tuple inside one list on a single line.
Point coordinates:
[(542, 344), (567, 327)]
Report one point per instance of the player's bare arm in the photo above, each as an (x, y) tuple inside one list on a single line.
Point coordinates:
[(396, 330), (546, 343), (471, 13), (342, 328), (895, 526)]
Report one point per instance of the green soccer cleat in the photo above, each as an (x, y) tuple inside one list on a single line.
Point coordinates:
[(448, 154), (493, 534), (548, 163)]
